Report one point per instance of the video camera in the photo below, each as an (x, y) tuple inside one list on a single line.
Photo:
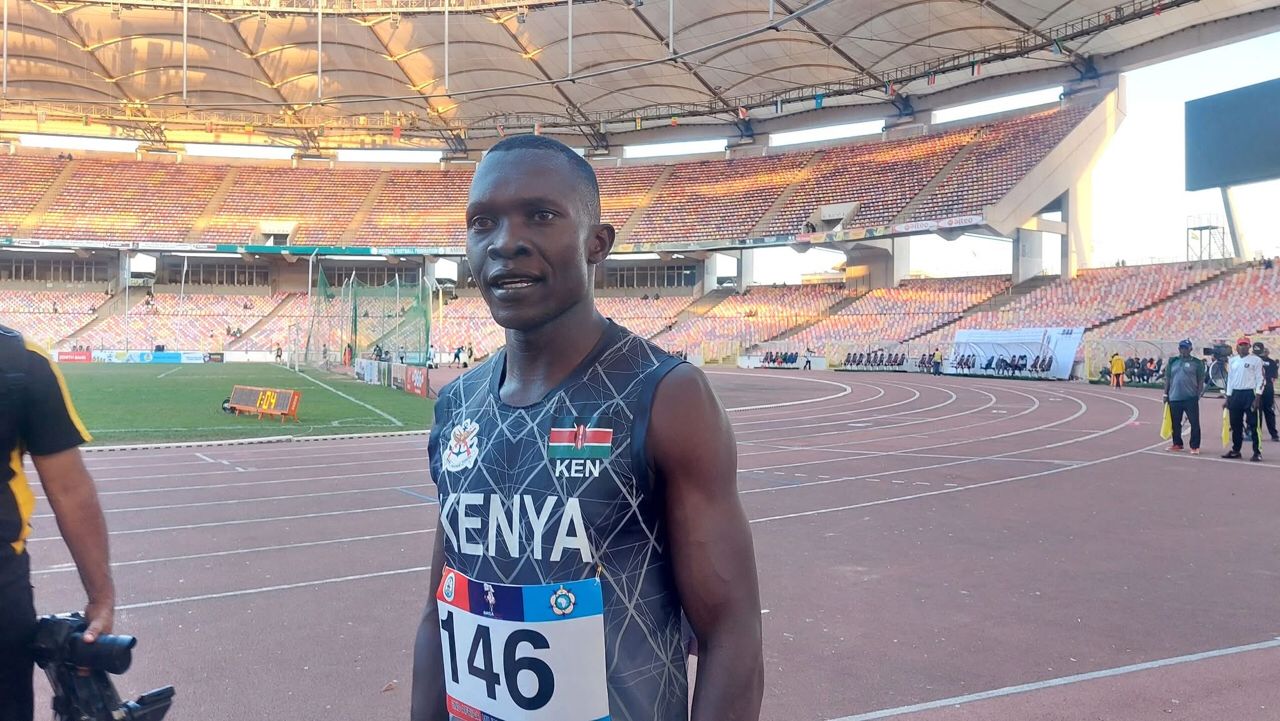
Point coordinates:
[(78, 671), (1219, 351)]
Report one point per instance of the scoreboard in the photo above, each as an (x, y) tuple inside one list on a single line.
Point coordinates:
[(265, 401)]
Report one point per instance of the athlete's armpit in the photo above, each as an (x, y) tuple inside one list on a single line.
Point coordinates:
[(692, 448)]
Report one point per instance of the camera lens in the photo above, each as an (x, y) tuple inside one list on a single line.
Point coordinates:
[(109, 653)]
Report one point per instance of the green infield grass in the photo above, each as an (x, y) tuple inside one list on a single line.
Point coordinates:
[(123, 404)]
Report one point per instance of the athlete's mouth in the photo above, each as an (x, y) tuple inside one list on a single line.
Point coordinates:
[(511, 281)]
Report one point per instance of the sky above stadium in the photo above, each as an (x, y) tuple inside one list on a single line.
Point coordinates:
[(1140, 207)]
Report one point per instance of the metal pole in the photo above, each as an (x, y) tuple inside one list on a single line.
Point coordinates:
[(4, 41), (446, 44), (184, 50), (127, 276), (671, 27), (319, 51), (771, 9), (570, 38)]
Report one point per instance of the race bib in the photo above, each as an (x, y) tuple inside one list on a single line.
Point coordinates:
[(523, 653)]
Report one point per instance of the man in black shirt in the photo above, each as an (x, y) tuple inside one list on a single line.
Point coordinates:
[(1269, 372), (37, 418)]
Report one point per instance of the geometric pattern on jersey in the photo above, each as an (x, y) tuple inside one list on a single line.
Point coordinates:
[(621, 504)]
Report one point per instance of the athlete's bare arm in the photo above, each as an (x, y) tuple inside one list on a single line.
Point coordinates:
[(695, 455), (427, 703)]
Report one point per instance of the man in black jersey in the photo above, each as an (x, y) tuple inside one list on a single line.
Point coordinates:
[(588, 494), (38, 419)]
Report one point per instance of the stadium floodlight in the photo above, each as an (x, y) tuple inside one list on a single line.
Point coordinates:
[(78, 142), (355, 155), (826, 132), (690, 147), (252, 152)]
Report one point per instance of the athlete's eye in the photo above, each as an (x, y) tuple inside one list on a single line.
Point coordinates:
[(544, 216), (481, 222)]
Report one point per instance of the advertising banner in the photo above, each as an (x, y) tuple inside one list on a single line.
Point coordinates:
[(1026, 352), (397, 375), (75, 356), (415, 381)]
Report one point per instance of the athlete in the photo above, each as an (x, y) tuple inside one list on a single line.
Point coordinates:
[(587, 485)]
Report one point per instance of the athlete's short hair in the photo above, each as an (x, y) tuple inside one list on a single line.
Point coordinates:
[(587, 183)]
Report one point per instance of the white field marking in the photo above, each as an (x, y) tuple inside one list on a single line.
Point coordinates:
[(1061, 681), (204, 458), (959, 489), (845, 408), (842, 422), (1035, 403), (853, 411), (1133, 414), (183, 444), (844, 432), (64, 567), (243, 521), (1211, 457), (220, 473), (174, 370), (263, 499), (864, 454), (847, 390), (336, 392), (274, 481), (268, 589), (282, 453)]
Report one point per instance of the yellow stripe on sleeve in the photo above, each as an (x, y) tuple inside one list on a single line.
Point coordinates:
[(22, 495), (62, 386)]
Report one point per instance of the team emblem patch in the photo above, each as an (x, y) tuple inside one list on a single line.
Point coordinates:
[(562, 602), (462, 447), (450, 584)]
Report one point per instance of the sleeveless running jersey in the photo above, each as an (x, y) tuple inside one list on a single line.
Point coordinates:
[(551, 514)]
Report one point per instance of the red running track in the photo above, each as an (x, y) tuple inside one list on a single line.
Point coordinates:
[(920, 540)]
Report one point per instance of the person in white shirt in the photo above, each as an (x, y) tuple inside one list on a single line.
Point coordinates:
[(1244, 395)]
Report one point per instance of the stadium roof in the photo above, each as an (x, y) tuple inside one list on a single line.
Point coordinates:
[(428, 72)]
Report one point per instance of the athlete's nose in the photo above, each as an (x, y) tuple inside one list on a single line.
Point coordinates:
[(508, 242)]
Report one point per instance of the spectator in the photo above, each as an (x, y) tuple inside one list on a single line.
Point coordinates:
[(1118, 367), (1244, 396), (1183, 386), (808, 361), (1268, 404), (279, 353), (937, 361)]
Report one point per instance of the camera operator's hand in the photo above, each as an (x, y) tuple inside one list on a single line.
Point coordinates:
[(101, 616)]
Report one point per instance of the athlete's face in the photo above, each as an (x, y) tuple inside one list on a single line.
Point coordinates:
[(531, 244)]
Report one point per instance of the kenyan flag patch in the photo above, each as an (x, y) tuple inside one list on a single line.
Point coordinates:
[(579, 438)]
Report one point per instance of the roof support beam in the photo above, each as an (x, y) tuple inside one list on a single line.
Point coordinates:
[(829, 43), (581, 121), (669, 41)]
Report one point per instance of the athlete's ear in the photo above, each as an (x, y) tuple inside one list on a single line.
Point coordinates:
[(600, 243)]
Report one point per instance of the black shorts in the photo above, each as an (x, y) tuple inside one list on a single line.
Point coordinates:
[(17, 631)]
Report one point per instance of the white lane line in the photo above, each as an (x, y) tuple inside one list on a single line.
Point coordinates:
[(1061, 681), (337, 392), (846, 391), (999, 456), (168, 372), (289, 468), (255, 483), (243, 521), (64, 567), (201, 456), (262, 499), (970, 487), (268, 589)]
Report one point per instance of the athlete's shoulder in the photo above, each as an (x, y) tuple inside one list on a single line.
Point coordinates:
[(630, 342)]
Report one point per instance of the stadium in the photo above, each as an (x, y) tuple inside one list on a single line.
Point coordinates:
[(864, 220)]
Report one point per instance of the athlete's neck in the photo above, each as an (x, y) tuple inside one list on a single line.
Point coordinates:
[(538, 360)]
